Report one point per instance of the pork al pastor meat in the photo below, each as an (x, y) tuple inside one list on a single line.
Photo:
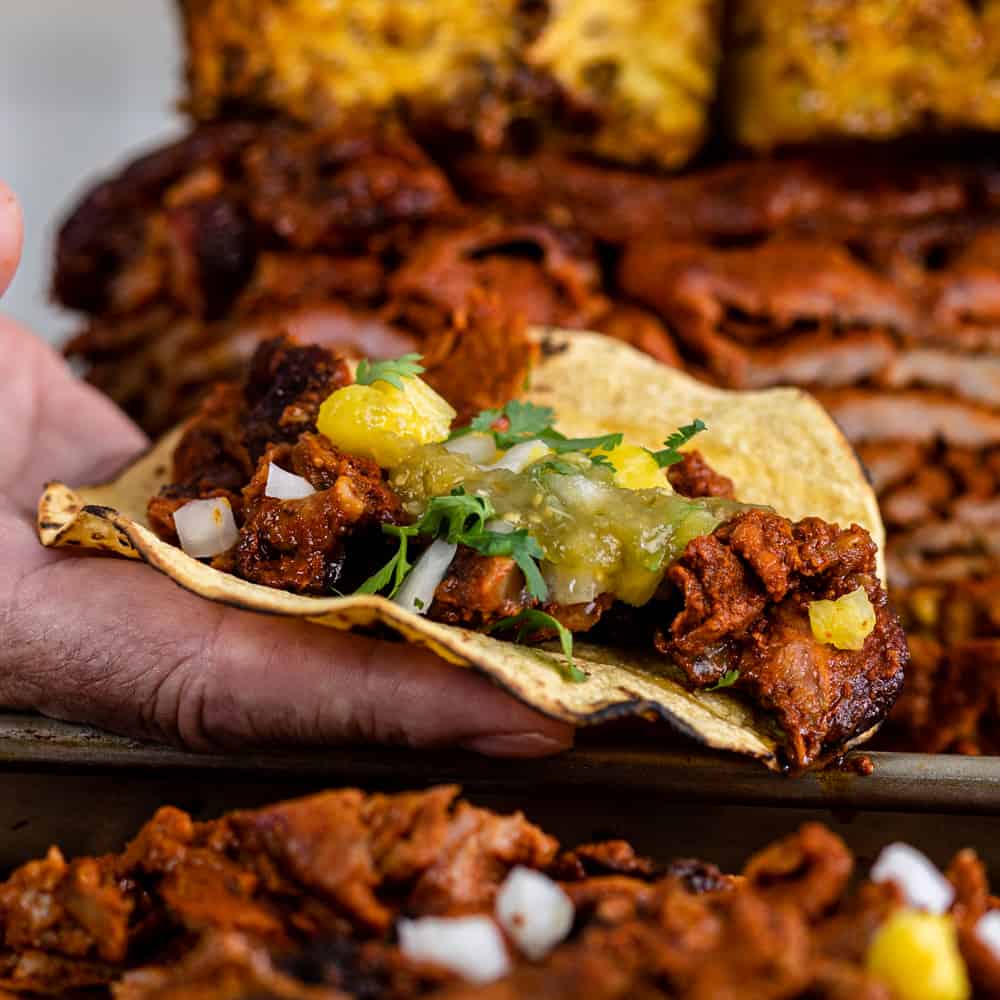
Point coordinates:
[(347, 896)]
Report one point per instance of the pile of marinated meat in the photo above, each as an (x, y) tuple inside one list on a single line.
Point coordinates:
[(873, 280), (326, 898), (735, 603)]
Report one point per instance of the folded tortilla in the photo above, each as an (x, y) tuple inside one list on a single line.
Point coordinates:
[(779, 447)]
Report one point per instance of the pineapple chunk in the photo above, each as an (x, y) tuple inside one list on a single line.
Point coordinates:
[(916, 955), (845, 622), (384, 423), (635, 468)]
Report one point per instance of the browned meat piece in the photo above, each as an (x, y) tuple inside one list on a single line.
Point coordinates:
[(479, 360), (76, 909), (790, 310), (694, 477), (27, 972), (479, 590), (963, 709), (222, 967), (330, 190), (610, 857), (739, 199), (809, 870), (966, 296), (746, 590), (105, 230), (303, 545), (212, 453), (435, 857), (537, 274), (284, 389), (867, 415)]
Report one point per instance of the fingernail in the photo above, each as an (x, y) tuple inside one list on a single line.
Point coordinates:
[(520, 744)]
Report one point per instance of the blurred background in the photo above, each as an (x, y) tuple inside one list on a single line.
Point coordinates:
[(84, 86)]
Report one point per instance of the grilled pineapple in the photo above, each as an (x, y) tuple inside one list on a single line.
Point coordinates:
[(629, 80)]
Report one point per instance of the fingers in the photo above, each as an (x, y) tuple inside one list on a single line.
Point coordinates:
[(57, 427), (134, 653), (11, 235)]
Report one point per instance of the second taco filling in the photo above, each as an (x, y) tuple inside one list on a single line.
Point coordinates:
[(304, 479)]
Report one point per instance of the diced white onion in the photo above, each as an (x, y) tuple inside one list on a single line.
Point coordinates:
[(586, 495), (988, 931), (417, 592), (477, 447), (206, 527), (282, 485), (499, 526), (922, 884), (569, 585), (518, 458), (534, 911), (471, 946)]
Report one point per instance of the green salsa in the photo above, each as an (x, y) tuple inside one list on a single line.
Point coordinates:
[(598, 538)]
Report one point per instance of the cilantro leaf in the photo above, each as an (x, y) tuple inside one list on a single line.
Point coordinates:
[(728, 679), (525, 421), (670, 455), (519, 546), (520, 422), (393, 372), (561, 444), (531, 621), (485, 420), (454, 512), (395, 570)]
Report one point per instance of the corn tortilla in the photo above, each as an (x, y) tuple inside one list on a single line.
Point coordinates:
[(779, 447)]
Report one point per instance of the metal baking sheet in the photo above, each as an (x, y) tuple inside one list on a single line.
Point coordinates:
[(89, 792), (901, 781)]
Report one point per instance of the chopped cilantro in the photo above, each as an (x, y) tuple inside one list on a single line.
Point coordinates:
[(518, 422), (530, 621), (728, 679), (670, 455), (454, 512), (393, 372), (598, 458), (460, 518), (485, 420), (561, 444), (524, 421), (394, 570)]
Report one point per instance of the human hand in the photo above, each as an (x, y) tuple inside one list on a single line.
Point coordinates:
[(112, 643)]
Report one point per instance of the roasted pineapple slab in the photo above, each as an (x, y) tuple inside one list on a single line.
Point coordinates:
[(801, 70), (630, 80)]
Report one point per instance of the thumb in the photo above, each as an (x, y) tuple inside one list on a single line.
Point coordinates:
[(11, 235)]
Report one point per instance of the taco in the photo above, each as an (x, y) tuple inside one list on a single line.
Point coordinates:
[(571, 545)]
